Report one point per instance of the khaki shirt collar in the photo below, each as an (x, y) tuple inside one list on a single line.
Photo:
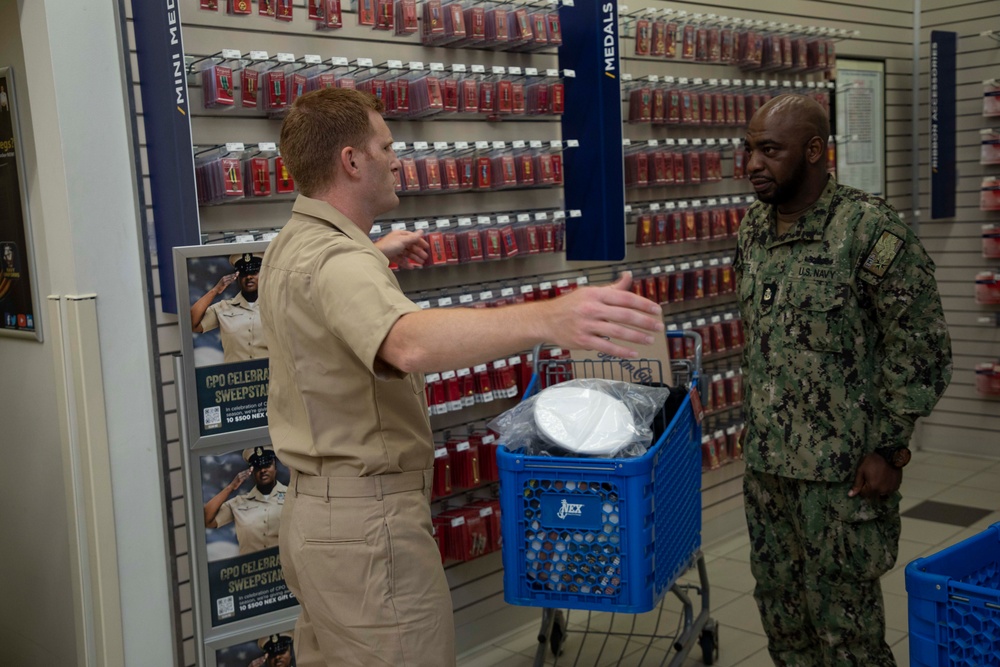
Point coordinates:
[(315, 210), (255, 494), (240, 302), (811, 225)]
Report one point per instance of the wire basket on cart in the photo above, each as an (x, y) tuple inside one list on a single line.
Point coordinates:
[(954, 603), (609, 534)]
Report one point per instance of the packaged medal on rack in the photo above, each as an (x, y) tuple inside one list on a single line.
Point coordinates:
[(326, 13), (366, 12), (428, 172), (989, 152), (257, 171), (282, 10), (475, 26), (991, 98), (701, 49), (283, 183), (238, 7), (432, 26), (519, 30), (266, 8), (991, 241), (219, 174), (658, 39), (464, 457), (496, 31), (688, 36), (987, 289), (643, 37), (217, 86), (989, 194), (442, 473), (406, 17)]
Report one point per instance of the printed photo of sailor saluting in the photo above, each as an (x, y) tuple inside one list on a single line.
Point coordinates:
[(236, 318)]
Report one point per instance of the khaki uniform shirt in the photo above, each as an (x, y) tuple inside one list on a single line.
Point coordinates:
[(846, 342), (328, 299), (257, 517), (239, 323)]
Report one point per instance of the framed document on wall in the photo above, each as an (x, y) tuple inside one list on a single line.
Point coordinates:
[(18, 285), (860, 124)]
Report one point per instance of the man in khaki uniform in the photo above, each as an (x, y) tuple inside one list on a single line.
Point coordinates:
[(346, 407), (258, 513), (238, 319)]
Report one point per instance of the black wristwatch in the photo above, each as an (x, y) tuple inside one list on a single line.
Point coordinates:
[(897, 457)]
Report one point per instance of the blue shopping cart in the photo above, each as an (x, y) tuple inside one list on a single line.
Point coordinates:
[(638, 529)]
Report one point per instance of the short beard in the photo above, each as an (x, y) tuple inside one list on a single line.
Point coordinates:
[(786, 192)]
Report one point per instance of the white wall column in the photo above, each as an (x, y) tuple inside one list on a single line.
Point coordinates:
[(83, 206)]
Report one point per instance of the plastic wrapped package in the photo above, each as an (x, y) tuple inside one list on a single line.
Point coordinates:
[(585, 417)]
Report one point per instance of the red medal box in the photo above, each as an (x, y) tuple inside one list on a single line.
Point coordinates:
[(283, 183), (464, 463), (988, 379), (987, 287), (442, 473), (991, 241)]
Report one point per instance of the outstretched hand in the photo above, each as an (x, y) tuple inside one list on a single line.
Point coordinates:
[(406, 248), (594, 318)]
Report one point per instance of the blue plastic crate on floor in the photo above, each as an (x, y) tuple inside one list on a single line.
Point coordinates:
[(602, 534), (954, 604)]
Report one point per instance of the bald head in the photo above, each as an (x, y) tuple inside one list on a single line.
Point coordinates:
[(796, 113), (786, 145)]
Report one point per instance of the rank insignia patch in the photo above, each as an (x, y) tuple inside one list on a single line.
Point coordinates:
[(882, 254), (767, 296)]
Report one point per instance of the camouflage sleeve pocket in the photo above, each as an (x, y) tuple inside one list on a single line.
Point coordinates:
[(815, 319)]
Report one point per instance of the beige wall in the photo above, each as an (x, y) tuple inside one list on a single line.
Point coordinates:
[(37, 615), (82, 203)]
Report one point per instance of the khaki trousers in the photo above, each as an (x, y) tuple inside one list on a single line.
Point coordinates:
[(367, 572)]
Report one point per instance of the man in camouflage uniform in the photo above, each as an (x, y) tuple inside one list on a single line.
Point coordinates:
[(846, 345)]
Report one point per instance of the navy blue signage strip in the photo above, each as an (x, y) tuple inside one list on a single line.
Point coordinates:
[(594, 180), (160, 53), (943, 172)]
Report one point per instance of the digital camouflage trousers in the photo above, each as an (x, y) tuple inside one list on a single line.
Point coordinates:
[(817, 556)]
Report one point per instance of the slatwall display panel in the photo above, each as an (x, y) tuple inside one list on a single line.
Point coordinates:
[(964, 421), (481, 615), (882, 32), (477, 585)]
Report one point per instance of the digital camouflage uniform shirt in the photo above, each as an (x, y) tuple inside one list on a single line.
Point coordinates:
[(846, 342)]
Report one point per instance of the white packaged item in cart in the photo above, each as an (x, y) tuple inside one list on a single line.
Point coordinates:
[(585, 417), (583, 421)]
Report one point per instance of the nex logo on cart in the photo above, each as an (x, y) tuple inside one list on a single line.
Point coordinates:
[(610, 38), (569, 509)]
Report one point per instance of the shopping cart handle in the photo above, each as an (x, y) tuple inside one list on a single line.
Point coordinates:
[(696, 337)]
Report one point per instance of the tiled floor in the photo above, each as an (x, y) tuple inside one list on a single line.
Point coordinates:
[(943, 478)]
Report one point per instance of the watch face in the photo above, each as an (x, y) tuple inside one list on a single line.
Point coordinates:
[(901, 457)]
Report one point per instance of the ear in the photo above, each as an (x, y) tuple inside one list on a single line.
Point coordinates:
[(815, 150), (348, 160)]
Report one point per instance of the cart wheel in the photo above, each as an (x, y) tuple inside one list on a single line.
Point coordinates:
[(558, 635), (709, 642)]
